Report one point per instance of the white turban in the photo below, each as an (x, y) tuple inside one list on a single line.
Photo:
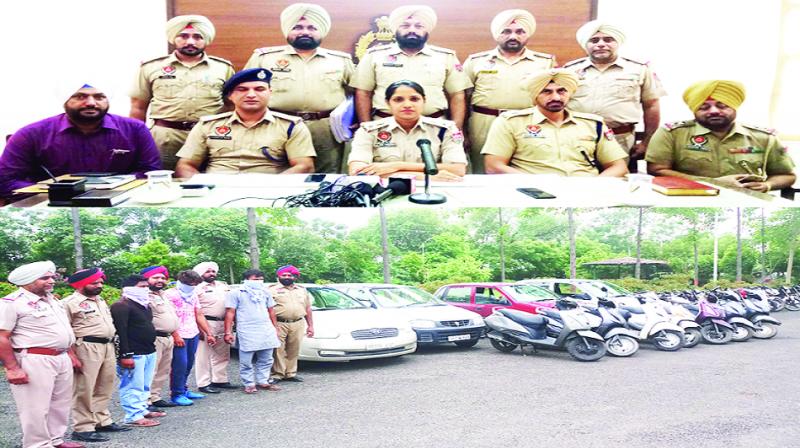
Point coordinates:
[(201, 23), (524, 18), (315, 14), (29, 273), (589, 29), (426, 14), (201, 268)]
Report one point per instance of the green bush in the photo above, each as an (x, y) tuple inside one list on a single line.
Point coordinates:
[(109, 294)]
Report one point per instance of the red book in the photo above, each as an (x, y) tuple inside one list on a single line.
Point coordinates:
[(678, 186)]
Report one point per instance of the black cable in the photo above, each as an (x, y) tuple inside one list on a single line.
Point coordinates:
[(355, 194)]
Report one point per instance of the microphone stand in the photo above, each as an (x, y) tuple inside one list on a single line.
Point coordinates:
[(427, 197)]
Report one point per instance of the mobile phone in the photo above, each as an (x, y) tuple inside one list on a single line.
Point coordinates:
[(316, 177), (536, 193)]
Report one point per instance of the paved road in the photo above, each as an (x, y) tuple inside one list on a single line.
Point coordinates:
[(738, 395)]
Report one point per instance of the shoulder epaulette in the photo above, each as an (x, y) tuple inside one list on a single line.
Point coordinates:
[(374, 125), (287, 117), (770, 131), (216, 116), (441, 49), (635, 61), (543, 55), (378, 48), (12, 297), (586, 115), (480, 55), (268, 50), (341, 54), (517, 113), (219, 59), (678, 124), (574, 62), (154, 59), (440, 122)]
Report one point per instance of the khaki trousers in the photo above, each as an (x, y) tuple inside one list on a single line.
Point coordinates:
[(477, 130), (290, 334), (169, 141), (163, 367), (93, 387), (211, 363), (43, 403), (329, 151)]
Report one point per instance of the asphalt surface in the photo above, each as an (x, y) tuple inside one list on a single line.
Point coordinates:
[(737, 395)]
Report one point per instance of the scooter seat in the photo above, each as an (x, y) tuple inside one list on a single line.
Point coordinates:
[(523, 318), (552, 314)]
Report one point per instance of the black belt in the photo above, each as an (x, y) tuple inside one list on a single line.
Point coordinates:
[(306, 116), (96, 339), (624, 128), (288, 321), (218, 319), (487, 110), (179, 125), (163, 334)]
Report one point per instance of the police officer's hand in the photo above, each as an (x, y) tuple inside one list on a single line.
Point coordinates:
[(310, 331), (379, 168), (762, 187), (127, 363), (211, 340), (16, 375), (179, 342), (76, 363), (228, 338), (638, 150), (733, 180), (447, 176)]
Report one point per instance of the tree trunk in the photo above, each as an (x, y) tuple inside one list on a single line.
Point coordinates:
[(696, 263), (763, 247), (387, 277), (790, 261), (76, 235), (738, 244), (715, 276), (573, 271), (255, 253), (501, 236), (638, 269), (230, 270)]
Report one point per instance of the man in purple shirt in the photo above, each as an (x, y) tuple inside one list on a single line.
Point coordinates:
[(83, 139)]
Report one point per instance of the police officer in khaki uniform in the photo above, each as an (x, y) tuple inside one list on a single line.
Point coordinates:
[(714, 145), (292, 306), (308, 81), (166, 323), (94, 329), (211, 361), (35, 341), (550, 139), (181, 87), (499, 75), (252, 138), (436, 69), (621, 90), (389, 146)]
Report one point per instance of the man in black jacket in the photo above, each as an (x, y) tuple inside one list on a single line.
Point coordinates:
[(133, 320)]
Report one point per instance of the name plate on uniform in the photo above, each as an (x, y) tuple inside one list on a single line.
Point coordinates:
[(166, 77), (392, 64), (220, 137)]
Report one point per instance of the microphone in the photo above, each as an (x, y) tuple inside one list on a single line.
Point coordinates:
[(396, 187), (427, 156)]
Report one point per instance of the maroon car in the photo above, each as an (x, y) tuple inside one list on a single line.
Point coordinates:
[(483, 298)]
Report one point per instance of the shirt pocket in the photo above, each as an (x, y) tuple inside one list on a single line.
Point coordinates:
[(588, 147), (626, 86), (695, 159), (535, 149), (167, 88), (282, 82), (220, 148), (210, 89), (387, 154)]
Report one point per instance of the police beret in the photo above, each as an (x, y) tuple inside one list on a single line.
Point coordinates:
[(248, 75)]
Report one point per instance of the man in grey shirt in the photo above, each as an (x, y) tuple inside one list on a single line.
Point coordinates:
[(252, 306)]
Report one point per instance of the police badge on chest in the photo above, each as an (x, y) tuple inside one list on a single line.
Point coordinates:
[(384, 140)]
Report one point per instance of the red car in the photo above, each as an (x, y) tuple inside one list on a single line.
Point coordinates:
[(483, 298)]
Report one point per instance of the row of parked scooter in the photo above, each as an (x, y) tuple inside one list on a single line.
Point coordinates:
[(589, 328)]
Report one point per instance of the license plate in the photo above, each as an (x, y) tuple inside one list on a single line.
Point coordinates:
[(459, 337), (377, 346)]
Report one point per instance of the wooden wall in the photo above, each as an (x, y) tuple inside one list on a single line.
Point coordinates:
[(243, 25)]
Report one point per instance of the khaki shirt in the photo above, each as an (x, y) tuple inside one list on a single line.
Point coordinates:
[(690, 148), (35, 321), (290, 302), (89, 316), (316, 84), (537, 146), (436, 69), (617, 93), (212, 298), (499, 82), (179, 92), (230, 146), (385, 141), (165, 317)]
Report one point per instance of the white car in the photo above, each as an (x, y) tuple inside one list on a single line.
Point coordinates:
[(347, 330), (593, 289), (434, 321)]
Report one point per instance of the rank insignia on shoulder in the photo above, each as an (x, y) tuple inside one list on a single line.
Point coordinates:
[(609, 134), (675, 125), (458, 136)]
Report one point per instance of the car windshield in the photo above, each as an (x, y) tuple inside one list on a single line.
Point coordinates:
[(331, 299), (614, 290), (528, 293), (398, 297), (595, 290)]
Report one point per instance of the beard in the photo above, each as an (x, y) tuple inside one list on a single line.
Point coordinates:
[(554, 106), (91, 292), (209, 278), (716, 123), (78, 115), (304, 43), (411, 41), (191, 51), (156, 288), (286, 281), (512, 46)]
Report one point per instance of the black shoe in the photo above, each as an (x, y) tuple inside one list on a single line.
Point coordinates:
[(152, 408), (163, 404), (294, 379), (89, 436), (112, 428), (208, 390), (224, 386)]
